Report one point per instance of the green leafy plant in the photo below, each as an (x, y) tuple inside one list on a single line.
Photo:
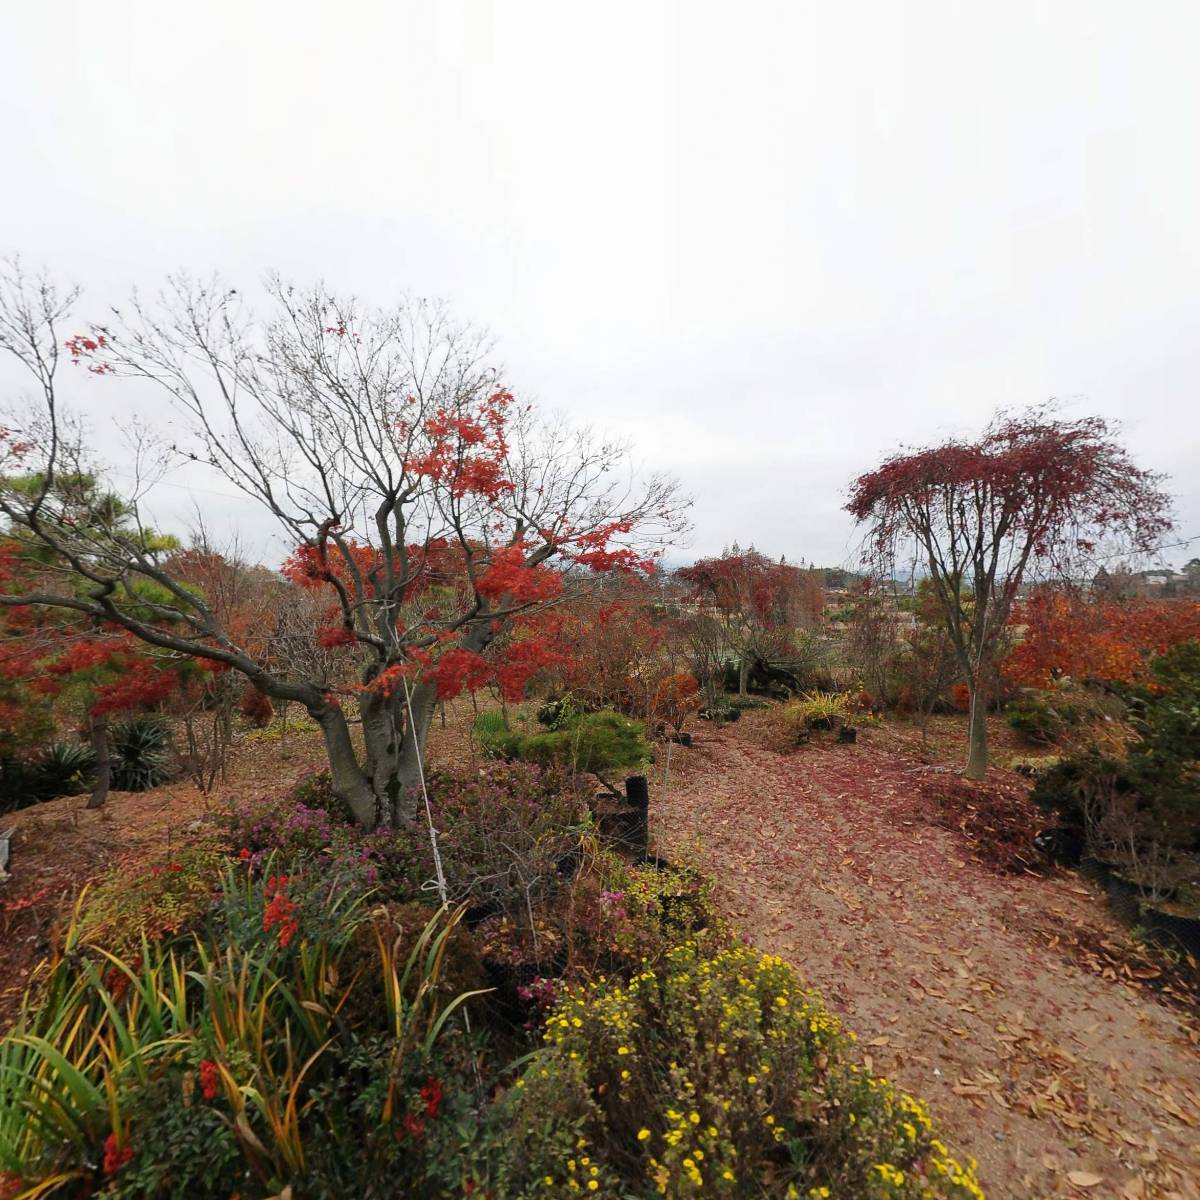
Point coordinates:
[(258, 1032), (493, 735), (140, 758), (598, 742)]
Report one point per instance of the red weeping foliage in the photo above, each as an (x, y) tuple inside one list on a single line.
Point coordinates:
[(1065, 634), (750, 584), (1047, 487)]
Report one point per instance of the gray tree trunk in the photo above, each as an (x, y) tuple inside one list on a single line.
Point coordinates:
[(412, 751), (743, 676), (99, 731), (977, 752), (348, 780)]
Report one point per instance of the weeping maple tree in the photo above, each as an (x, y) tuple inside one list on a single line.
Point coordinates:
[(1033, 496), (758, 604), (435, 513)]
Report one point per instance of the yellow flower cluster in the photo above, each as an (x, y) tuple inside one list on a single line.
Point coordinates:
[(728, 1062)]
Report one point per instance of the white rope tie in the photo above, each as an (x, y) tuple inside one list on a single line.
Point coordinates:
[(437, 856)]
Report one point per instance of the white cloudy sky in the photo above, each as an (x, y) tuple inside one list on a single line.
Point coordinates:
[(767, 242)]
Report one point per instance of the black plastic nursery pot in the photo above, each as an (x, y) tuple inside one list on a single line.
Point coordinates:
[(1095, 869), (848, 735), (1167, 929), (1124, 898), (676, 909), (476, 914)]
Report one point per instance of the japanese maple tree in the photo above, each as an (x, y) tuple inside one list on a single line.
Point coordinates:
[(758, 603), (1033, 495), (431, 509)]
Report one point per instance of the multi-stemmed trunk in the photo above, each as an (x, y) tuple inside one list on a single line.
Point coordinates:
[(383, 784)]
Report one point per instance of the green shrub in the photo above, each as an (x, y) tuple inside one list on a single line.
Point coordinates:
[(493, 735), (597, 742), (1037, 719), (713, 1076), (139, 749), (1043, 717), (557, 712), (1081, 791)]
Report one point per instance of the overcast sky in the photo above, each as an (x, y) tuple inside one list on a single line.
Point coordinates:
[(768, 243)]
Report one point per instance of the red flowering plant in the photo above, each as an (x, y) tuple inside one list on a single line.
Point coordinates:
[(432, 510), (277, 910)]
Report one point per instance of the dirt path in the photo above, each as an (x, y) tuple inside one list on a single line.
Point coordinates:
[(1049, 1075)]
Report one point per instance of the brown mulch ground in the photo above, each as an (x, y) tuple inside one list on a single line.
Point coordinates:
[(1010, 1002)]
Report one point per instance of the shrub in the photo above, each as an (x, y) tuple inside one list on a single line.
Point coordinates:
[(675, 699), (1037, 720), (1045, 717), (256, 707), (61, 769), (504, 831), (595, 742), (154, 897), (139, 754), (280, 1079), (291, 832), (718, 1074), (815, 711), (1083, 791), (557, 711)]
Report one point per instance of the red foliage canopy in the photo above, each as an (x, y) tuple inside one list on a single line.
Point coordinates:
[(1043, 487), (1110, 641)]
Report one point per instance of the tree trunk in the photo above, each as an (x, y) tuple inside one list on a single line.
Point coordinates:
[(408, 793), (99, 732), (349, 782), (743, 676), (977, 754), (383, 738)]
